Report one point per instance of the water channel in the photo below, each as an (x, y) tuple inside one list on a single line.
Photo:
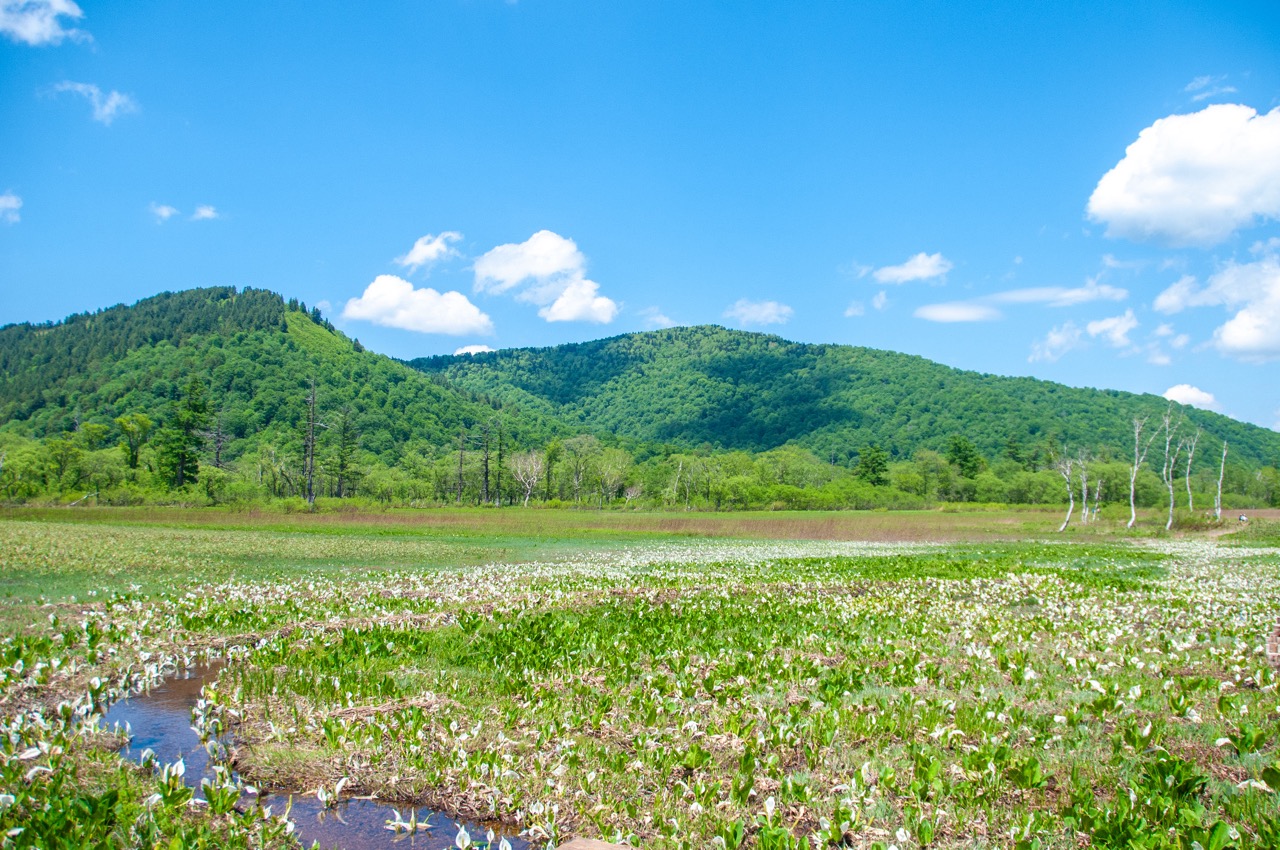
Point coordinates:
[(160, 720)]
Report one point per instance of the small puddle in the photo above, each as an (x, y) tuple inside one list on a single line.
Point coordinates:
[(160, 720)]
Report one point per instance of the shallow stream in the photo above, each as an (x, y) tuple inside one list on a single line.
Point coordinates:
[(160, 720)]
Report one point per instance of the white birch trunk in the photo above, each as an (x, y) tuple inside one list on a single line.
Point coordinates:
[(1065, 470), (1191, 453), (1222, 471)]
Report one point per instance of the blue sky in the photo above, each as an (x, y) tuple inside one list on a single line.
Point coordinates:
[(1076, 192)]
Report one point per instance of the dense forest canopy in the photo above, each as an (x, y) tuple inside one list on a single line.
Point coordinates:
[(218, 395), (754, 392)]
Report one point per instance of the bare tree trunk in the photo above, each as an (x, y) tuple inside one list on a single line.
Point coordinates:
[(1191, 453), (309, 450), (462, 451), (498, 488), (484, 466), (1097, 497), (1084, 488), (1222, 471), (1168, 468), (1065, 470), (1139, 455)]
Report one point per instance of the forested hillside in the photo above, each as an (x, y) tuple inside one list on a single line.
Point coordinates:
[(253, 358), (217, 396), (751, 391)]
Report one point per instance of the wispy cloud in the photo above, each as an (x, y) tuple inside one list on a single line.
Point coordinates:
[(548, 270), (957, 311), (920, 267), (880, 300), (394, 302), (654, 318), (1114, 330), (37, 22), (429, 249), (9, 206), (1205, 87), (747, 312), (1060, 296), (855, 308), (205, 212), (106, 107), (163, 212), (1056, 343)]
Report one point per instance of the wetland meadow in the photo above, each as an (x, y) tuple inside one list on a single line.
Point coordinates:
[(657, 680)]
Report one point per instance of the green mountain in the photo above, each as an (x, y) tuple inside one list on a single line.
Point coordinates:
[(256, 355), (738, 390)]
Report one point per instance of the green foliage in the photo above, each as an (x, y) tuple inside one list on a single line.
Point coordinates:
[(741, 390)]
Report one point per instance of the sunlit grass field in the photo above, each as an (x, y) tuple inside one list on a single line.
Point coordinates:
[(667, 681)]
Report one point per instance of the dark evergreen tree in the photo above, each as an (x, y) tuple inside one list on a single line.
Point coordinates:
[(180, 440), (873, 466), (963, 455)]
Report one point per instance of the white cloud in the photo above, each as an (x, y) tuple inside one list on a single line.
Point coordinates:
[(920, 267), (105, 107), (957, 311), (9, 206), (580, 302), (393, 302), (758, 312), (162, 212), (542, 257), (855, 308), (37, 22), (1194, 396), (1252, 290), (1114, 330), (204, 212), (1194, 179), (654, 318), (428, 249), (1061, 296), (472, 349), (1205, 87), (1056, 343), (881, 300), (550, 272)]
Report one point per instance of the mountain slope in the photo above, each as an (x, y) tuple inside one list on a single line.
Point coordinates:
[(256, 354), (740, 390)]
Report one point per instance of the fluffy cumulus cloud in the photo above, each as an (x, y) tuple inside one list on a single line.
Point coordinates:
[(395, 303), (163, 212), (205, 212), (106, 107), (547, 270), (1115, 330), (37, 22), (429, 249), (920, 267), (1194, 396), (1251, 291), (9, 206), (1056, 343), (957, 311), (747, 312), (471, 349), (1194, 179)]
